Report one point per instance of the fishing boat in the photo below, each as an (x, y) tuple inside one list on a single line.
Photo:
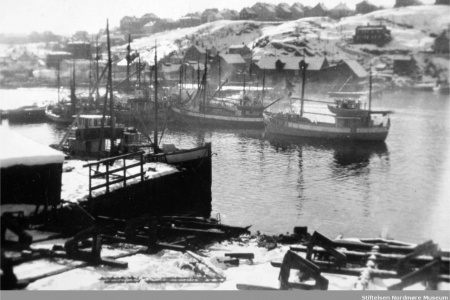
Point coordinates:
[(198, 158), (352, 122), (245, 112), (63, 111)]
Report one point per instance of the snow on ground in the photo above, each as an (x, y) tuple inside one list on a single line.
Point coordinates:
[(75, 178), (410, 27), (168, 263), (16, 150), (221, 34)]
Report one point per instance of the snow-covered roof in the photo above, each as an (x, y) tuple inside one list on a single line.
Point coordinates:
[(170, 68), (18, 150), (232, 59), (291, 63), (356, 68)]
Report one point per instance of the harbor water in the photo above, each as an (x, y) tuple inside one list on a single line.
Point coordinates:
[(400, 189)]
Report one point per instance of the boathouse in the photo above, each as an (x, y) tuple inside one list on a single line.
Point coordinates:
[(345, 71), (227, 66), (30, 172), (404, 65), (279, 69)]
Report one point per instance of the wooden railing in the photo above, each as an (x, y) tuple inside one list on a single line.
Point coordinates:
[(95, 174)]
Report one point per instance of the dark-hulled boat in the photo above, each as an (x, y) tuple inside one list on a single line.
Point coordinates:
[(246, 112), (351, 122)]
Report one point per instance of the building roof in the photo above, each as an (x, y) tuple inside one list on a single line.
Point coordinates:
[(356, 68), (199, 49), (237, 46), (248, 10), (232, 59), (341, 7), (170, 68), (291, 63), (16, 150), (285, 7)]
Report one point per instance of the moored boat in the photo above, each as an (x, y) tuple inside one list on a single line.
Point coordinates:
[(351, 122), (245, 112)]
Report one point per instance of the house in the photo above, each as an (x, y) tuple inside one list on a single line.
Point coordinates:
[(404, 3), (192, 71), (206, 14), (247, 14), (372, 34), (279, 69), (175, 58), (170, 73), (229, 14), (227, 66), (130, 24), (265, 11), (345, 71), (318, 11), (404, 65), (341, 11), (283, 11), (242, 50), (365, 7), (197, 53), (54, 59), (190, 21), (213, 17), (149, 17), (79, 49), (297, 11), (29, 177), (441, 43)]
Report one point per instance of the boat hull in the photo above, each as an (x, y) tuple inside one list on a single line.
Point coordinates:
[(58, 119), (324, 130), (195, 117)]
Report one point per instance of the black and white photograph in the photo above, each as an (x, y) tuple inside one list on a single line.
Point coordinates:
[(230, 145)]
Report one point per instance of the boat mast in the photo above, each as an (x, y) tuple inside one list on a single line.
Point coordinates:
[(111, 100), (97, 72), (206, 78), (155, 134), (370, 88), (128, 60), (220, 75), (72, 88), (263, 87), (198, 71), (58, 79), (303, 66), (181, 75)]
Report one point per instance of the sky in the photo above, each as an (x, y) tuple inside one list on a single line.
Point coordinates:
[(65, 17)]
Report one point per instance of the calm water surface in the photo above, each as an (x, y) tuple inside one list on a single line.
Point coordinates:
[(400, 189)]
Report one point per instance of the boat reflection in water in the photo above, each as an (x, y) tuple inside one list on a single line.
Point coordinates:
[(347, 155)]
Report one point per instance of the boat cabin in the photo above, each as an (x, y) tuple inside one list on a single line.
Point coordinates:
[(348, 104), (90, 121), (353, 122), (88, 136)]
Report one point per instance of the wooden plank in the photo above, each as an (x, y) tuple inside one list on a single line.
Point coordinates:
[(101, 174), (108, 183), (102, 161), (251, 287)]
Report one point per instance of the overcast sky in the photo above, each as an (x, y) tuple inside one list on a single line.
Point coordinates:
[(67, 16)]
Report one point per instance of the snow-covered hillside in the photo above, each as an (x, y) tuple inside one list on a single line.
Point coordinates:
[(411, 28)]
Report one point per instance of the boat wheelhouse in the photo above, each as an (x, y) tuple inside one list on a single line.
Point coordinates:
[(91, 134)]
